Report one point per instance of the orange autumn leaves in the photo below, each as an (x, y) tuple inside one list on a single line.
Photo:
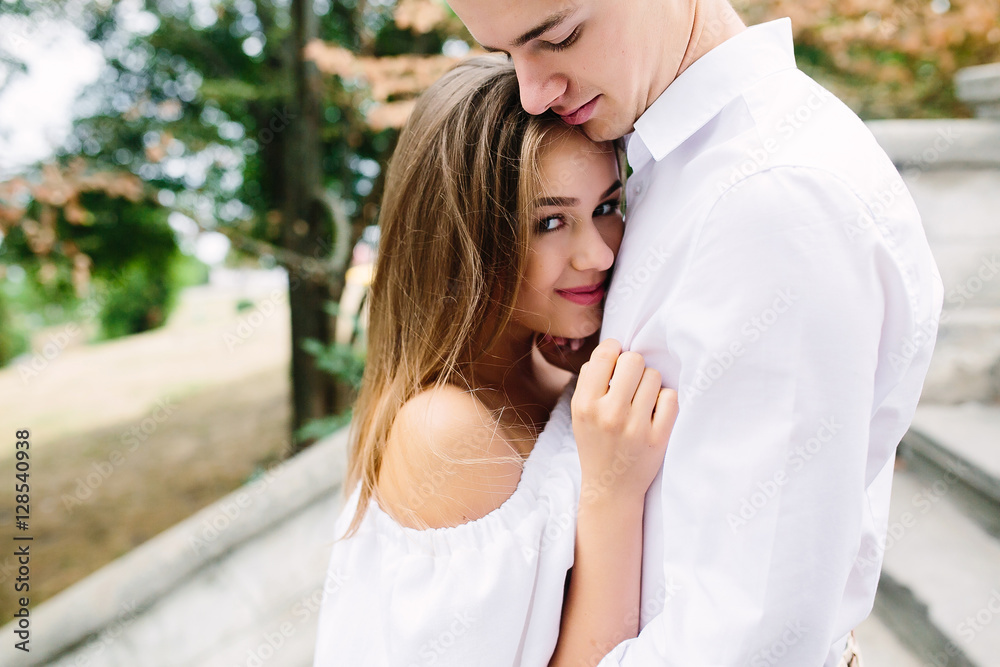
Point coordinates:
[(60, 188), (890, 58)]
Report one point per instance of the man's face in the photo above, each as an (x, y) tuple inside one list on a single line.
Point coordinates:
[(596, 63)]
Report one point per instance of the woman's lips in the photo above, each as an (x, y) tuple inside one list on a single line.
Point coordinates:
[(581, 115), (585, 296)]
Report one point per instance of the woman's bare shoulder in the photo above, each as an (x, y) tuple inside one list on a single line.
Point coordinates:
[(446, 462)]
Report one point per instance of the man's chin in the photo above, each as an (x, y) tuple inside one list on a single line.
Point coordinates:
[(603, 129)]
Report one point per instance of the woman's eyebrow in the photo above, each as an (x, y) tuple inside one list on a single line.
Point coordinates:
[(573, 201), (614, 186)]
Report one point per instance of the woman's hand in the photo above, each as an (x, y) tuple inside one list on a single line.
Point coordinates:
[(622, 419)]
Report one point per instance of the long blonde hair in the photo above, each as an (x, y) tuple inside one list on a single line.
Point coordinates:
[(454, 241)]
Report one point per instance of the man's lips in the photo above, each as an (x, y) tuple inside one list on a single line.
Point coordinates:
[(587, 295), (581, 114)]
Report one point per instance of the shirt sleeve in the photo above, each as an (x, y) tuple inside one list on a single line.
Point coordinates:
[(776, 327)]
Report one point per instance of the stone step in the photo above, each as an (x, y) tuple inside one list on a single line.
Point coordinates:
[(940, 586), (880, 647), (966, 362), (960, 444)]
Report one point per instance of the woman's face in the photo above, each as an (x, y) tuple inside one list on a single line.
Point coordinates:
[(577, 231)]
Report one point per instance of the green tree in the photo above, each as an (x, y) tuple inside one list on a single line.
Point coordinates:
[(214, 111)]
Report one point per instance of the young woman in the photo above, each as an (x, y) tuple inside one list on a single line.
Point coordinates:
[(470, 504)]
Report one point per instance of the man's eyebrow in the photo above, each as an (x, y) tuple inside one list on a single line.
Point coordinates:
[(572, 201), (540, 29)]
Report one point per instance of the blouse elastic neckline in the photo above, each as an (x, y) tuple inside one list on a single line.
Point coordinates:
[(551, 440)]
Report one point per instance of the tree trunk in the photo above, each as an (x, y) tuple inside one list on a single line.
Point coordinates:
[(306, 230)]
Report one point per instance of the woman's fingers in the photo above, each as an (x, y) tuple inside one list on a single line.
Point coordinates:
[(595, 375), (665, 414), (645, 396)]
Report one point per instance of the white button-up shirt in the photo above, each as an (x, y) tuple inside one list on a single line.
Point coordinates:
[(775, 271)]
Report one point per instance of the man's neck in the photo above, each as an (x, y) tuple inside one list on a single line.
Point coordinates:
[(714, 22)]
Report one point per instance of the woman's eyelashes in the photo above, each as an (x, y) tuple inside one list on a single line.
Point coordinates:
[(551, 223), (609, 207)]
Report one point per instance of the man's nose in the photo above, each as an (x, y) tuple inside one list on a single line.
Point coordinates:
[(539, 87)]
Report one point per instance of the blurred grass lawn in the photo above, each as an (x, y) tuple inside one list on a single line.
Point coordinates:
[(130, 436)]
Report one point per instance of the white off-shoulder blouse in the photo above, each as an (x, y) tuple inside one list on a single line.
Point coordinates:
[(488, 592)]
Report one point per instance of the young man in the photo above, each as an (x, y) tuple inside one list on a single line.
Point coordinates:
[(775, 271)]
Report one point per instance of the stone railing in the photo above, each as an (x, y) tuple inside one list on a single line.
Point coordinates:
[(952, 168)]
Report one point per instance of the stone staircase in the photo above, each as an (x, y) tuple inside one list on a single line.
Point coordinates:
[(940, 586), (939, 593), (237, 584)]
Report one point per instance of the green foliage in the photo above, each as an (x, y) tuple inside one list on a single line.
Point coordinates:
[(13, 341), (188, 271), (138, 301), (316, 429), (344, 362)]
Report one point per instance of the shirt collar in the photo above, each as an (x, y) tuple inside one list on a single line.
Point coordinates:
[(709, 84)]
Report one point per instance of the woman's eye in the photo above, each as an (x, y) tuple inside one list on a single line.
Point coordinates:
[(607, 208), (550, 224), (566, 43)]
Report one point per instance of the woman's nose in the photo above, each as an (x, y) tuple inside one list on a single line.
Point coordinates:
[(591, 252)]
